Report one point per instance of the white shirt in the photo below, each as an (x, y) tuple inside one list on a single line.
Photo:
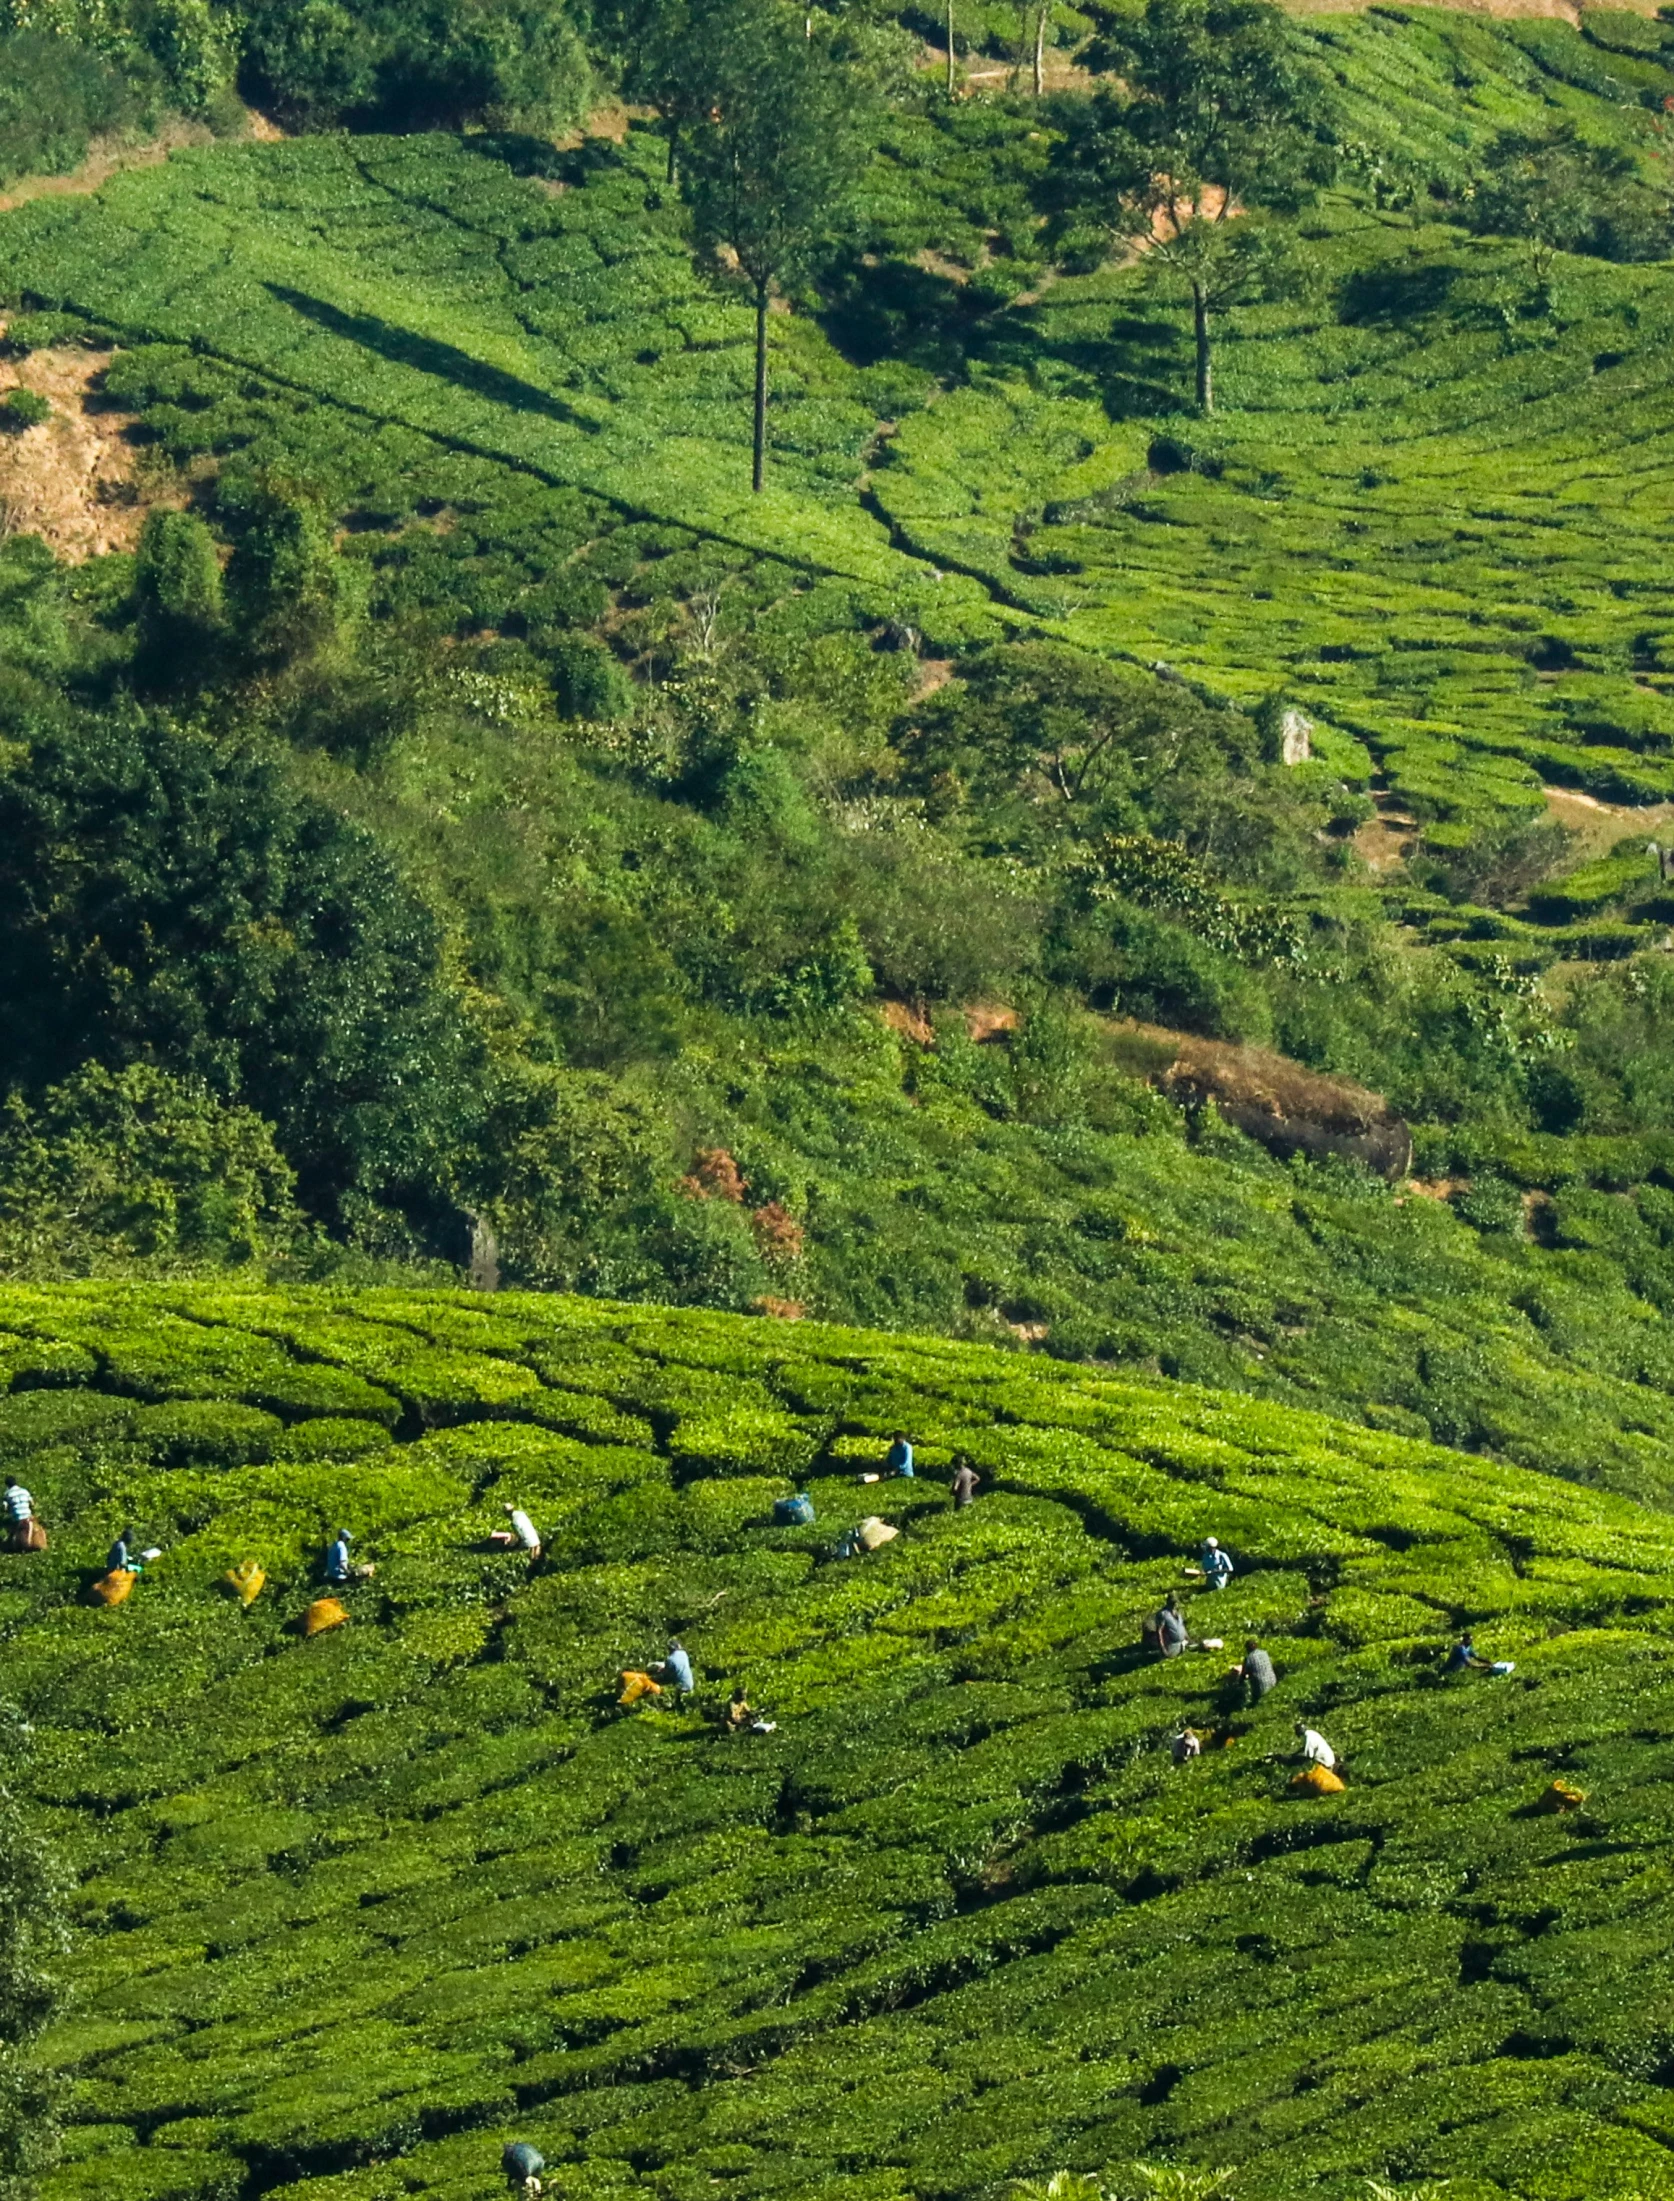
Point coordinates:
[(525, 1531), (19, 1505), (1315, 1746)]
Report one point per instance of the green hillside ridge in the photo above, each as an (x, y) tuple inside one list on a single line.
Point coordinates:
[(350, 1913)]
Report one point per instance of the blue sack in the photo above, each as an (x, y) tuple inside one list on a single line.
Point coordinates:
[(797, 1512)]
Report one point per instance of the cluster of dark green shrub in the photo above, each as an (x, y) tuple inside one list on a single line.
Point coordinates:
[(75, 70), (351, 1913)]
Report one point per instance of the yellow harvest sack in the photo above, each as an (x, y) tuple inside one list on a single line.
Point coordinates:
[(246, 1581), (324, 1613), (113, 1588), (1316, 1780), (1563, 1796), (636, 1686)]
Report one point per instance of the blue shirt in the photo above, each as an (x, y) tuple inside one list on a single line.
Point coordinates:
[(900, 1460), (337, 1561), (679, 1666), (117, 1556)]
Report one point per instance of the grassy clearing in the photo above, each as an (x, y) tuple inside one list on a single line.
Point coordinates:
[(352, 1912)]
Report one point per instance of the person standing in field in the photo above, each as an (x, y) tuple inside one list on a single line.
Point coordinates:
[(1217, 1567), (899, 1458), (965, 1480)]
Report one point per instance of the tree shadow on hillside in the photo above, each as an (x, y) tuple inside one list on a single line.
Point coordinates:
[(1136, 366), (1395, 294), (896, 310), (446, 361)]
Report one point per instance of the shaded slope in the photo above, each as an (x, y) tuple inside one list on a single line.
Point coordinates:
[(354, 1911)]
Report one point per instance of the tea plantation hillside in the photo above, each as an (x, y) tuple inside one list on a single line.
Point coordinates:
[(353, 1911), (407, 322), (1431, 510)]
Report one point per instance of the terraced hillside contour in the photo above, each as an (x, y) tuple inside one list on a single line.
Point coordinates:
[(1432, 511), (353, 1911)]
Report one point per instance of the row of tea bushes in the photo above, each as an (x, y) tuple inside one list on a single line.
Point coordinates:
[(350, 1913)]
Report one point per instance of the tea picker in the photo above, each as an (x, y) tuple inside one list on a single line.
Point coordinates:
[(1256, 1672), (340, 1570), (898, 1460), (742, 1716), (868, 1535), (677, 1666), (1165, 1632), (523, 2165), (524, 1530), (1315, 1749), (965, 1480), (123, 1559), (1465, 1658), (23, 1531), (1217, 1567), (123, 1568)]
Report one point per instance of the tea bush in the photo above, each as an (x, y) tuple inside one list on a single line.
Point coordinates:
[(351, 1913)]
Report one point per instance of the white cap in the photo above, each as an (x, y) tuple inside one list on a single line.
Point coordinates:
[(1213, 1546)]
